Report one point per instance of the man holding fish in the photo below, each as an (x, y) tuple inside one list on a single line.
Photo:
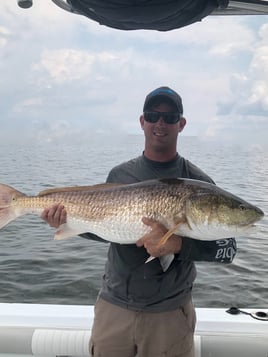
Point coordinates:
[(145, 309)]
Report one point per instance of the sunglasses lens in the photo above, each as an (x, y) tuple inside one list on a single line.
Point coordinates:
[(151, 117), (169, 118)]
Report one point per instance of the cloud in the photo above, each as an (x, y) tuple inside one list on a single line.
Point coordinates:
[(249, 90), (241, 112), (71, 75), (28, 104), (65, 64), (4, 33)]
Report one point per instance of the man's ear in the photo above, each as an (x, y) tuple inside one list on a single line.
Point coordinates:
[(142, 121), (182, 123)]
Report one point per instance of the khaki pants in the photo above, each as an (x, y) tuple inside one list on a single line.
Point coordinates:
[(119, 332)]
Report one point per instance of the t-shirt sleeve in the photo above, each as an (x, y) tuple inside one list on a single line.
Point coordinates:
[(221, 250)]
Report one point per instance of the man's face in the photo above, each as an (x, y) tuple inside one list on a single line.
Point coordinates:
[(161, 135)]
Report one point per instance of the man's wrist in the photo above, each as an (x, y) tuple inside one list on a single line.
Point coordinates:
[(177, 243)]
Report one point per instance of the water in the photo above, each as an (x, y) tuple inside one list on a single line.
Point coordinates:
[(36, 269)]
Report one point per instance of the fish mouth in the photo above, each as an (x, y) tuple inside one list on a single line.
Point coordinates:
[(253, 221), (248, 225), (247, 229)]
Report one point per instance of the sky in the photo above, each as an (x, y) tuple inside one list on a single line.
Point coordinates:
[(65, 78)]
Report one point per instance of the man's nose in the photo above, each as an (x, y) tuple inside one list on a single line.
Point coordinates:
[(161, 120)]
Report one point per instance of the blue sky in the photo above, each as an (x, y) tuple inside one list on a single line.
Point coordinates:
[(64, 77)]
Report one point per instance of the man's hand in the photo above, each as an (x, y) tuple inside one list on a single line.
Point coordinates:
[(54, 215), (150, 240)]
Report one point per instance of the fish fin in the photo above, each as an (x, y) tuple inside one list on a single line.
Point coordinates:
[(165, 260), (101, 186), (167, 235), (6, 215), (7, 212), (148, 260), (64, 231)]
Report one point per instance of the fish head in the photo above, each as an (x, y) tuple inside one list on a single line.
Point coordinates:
[(220, 214)]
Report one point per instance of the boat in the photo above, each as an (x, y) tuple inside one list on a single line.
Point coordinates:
[(64, 330)]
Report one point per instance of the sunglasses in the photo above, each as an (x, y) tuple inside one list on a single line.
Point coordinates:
[(168, 117)]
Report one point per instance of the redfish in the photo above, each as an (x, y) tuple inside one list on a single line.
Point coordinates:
[(188, 208)]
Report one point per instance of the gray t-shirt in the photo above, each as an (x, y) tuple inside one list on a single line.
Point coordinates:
[(129, 282)]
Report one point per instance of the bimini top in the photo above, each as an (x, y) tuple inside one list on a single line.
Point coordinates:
[(156, 14)]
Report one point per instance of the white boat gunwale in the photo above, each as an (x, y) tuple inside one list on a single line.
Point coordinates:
[(51, 330)]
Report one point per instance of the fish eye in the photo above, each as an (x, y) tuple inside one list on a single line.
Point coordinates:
[(242, 207)]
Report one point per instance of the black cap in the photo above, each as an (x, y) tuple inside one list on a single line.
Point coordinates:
[(164, 93)]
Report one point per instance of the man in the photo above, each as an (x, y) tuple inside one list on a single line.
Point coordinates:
[(142, 310)]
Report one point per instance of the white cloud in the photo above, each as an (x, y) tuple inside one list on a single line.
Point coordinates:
[(249, 90), (54, 132), (43, 16), (259, 94), (27, 104), (220, 35), (61, 66), (4, 34), (230, 37), (259, 64), (65, 64), (242, 111)]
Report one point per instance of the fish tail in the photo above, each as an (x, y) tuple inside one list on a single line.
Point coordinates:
[(8, 212)]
